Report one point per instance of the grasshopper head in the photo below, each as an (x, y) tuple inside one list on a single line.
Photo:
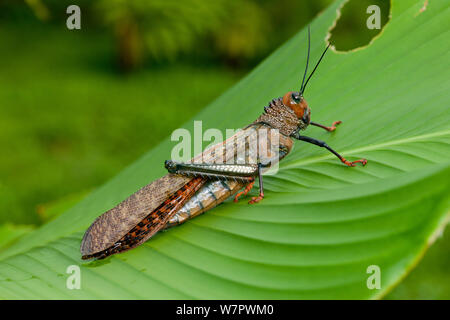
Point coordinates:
[(296, 102)]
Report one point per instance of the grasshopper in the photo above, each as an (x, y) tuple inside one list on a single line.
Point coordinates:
[(190, 189)]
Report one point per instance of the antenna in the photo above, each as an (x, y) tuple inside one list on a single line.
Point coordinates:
[(303, 89), (307, 60)]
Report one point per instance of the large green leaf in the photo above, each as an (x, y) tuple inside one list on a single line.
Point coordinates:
[(322, 224)]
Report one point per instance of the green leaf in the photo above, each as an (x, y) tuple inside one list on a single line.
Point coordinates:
[(53, 209), (322, 224), (11, 232)]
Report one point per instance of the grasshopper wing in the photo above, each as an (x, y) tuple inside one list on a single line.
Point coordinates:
[(111, 226)]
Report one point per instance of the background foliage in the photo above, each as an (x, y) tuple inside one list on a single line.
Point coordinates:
[(67, 120)]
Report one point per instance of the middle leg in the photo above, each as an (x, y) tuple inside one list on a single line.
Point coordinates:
[(324, 145)]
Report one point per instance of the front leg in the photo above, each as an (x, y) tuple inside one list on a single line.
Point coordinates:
[(324, 145), (329, 129)]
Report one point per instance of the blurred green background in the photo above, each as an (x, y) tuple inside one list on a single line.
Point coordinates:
[(77, 106)]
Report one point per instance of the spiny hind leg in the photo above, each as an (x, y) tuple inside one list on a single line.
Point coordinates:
[(245, 191), (244, 172), (261, 187), (250, 186)]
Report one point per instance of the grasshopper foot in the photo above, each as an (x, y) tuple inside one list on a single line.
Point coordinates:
[(333, 126), (329, 129), (353, 163), (256, 199)]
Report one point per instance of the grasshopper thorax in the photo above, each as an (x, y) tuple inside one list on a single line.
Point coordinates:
[(298, 104)]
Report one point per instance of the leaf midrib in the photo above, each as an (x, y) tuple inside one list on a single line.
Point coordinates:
[(373, 147)]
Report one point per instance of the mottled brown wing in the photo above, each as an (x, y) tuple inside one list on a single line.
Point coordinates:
[(114, 223), (153, 222), (109, 228)]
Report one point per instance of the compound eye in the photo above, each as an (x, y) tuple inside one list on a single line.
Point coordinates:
[(295, 97)]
